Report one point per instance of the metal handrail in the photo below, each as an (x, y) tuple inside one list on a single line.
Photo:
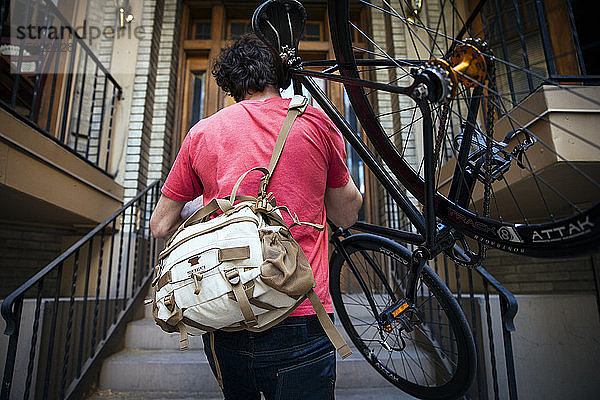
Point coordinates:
[(83, 348), (85, 46), (509, 299), (85, 79), (7, 305)]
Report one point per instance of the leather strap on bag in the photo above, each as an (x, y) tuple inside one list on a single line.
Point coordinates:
[(216, 360), (332, 333), (233, 277), (241, 178), (296, 107)]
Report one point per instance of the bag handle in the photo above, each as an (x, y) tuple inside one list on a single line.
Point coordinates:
[(241, 178)]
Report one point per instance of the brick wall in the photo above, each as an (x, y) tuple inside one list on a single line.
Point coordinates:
[(142, 109), (165, 93), (528, 275), (152, 116), (25, 250), (387, 32)]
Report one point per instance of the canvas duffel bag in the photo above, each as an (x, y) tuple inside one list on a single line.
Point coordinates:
[(239, 270)]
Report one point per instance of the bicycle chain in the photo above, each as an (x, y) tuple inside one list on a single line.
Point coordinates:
[(441, 132), (489, 140)]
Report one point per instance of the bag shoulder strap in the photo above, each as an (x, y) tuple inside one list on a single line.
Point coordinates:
[(296, 107), (330, 330)]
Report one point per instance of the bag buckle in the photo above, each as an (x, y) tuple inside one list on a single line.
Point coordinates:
[(233, 276), (170, 301), (157, 271), (265, 203), (263, 185)]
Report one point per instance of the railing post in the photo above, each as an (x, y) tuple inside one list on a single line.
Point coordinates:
[(545, 38), (580, 59), (508, 311), (11, 354)]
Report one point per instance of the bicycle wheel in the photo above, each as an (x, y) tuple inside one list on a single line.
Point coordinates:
[(437, 360), (543, 164)]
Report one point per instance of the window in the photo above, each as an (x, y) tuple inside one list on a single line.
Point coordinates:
[(238, 28), (197, 85), (199, 30), (313, 32), (504, 37)]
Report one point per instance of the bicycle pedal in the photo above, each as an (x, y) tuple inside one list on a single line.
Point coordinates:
[(394, 313)]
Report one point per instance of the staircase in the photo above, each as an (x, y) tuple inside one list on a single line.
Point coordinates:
[(152, 367)]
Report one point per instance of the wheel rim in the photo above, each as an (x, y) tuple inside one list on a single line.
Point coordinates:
[(538, 208)]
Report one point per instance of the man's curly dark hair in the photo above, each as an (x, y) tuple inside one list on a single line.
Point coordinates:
[(245, 67)]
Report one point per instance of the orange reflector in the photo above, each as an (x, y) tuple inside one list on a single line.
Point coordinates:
[(400, 309)]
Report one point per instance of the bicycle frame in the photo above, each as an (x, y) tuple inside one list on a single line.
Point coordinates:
[(428, 241), (413, 214)]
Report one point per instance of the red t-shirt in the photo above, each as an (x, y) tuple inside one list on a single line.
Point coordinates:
[(220, 148)]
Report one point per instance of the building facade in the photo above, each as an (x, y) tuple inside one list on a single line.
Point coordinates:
[(98, 116)]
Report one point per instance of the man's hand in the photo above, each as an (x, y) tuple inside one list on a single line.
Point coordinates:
[(166, 217), (342, 204)]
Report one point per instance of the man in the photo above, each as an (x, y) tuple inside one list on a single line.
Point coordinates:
[(293, 360)]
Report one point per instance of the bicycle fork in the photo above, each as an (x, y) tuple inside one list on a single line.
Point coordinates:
[(404, 312), (401, 311)]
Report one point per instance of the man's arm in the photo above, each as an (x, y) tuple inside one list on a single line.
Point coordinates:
[(166, 217), (342, 204)]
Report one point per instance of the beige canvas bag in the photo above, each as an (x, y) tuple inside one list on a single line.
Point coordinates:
[(239, 270)]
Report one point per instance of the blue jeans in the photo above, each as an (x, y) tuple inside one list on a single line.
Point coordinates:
[(292, 360)]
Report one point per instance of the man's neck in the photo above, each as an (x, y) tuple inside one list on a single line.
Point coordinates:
[(265, 94)]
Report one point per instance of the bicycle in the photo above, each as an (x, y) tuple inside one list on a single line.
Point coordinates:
[(482, 180)]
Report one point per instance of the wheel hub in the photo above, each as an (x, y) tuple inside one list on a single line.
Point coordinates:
[(467, 65)]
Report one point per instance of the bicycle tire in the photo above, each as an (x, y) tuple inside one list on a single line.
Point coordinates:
[(536, 209), (439, 361)]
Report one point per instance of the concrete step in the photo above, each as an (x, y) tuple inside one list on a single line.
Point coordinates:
[(173, 371), (387, 393), (152, 367), (158, 370), (144, 334)]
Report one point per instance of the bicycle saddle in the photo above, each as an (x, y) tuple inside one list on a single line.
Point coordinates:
[(280, 24)]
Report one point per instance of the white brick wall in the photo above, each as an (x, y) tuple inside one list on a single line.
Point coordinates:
[(165, 94), (400, 127), (151, 117), (140, 115)]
